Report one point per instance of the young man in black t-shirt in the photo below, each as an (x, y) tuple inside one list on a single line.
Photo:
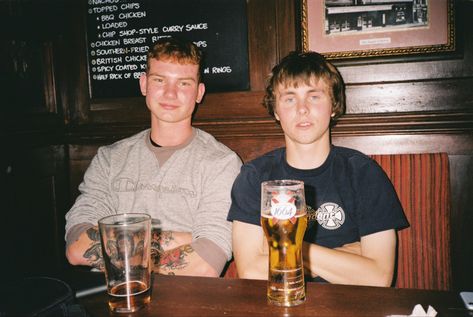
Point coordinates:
[(353, 210)]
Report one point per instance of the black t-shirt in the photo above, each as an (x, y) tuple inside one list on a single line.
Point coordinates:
[(347, 197)]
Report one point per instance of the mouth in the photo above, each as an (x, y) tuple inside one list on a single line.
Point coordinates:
[(304, 125), (168, 106)]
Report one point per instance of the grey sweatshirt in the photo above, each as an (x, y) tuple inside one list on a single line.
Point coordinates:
[(189, 193)]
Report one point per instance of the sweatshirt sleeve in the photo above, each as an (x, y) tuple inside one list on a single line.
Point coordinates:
[(94, 201), (211, 218)]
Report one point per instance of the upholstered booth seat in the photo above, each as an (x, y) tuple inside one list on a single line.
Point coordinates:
[(422, 184)]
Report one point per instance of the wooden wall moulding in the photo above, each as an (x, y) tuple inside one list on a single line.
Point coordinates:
[(405, 123), (348, 126), (214, 106), (355, 125)]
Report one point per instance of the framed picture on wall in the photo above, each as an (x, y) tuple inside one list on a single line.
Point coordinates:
[(342, 29)]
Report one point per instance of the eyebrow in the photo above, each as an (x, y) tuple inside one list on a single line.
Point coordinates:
[(289, 91), (164, 76)]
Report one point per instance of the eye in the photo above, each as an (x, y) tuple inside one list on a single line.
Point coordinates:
[(185, 83), (314, 98), (288, 100)]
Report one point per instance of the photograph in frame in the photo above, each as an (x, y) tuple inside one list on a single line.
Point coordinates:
[(341, 29)]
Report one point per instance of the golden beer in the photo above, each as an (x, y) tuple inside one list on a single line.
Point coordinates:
[(129, 296), (286, 273), (284, 221)]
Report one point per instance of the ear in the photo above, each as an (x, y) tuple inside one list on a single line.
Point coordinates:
[(200, 92), (143, 83), (276, 116)]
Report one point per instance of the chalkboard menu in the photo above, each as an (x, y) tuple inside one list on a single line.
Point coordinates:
[(120, 32)]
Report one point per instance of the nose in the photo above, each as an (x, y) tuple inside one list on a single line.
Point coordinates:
[(170, 90), (302, 107)]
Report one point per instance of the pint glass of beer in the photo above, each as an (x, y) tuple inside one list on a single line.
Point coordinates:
[(284, 220), (126, 248)]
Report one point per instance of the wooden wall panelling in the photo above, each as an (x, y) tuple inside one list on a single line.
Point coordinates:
[(286, 21), (72, 67), (27, 64), (262, 40), (33, 173), (80, 157), (452, 94), (34, 194), (461, 182)]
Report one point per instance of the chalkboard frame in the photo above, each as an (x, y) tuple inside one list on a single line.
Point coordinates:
[(221, 33)]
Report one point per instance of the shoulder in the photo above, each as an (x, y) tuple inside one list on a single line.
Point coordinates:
[(121, 148), (125, 144), (357, 164), (351, 157), (208, 146), (261, 167), (267, 160)]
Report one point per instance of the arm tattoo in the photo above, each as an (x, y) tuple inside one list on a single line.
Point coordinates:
[(174, 259), (159, 242), (94, 253), (168, 260)]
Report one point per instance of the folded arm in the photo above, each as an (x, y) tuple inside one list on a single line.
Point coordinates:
[(372, 264), (250, 251), (369, 262), (172, 253)]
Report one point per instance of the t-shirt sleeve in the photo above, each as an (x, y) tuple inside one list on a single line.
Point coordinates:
[(246, 196), (378, 206)]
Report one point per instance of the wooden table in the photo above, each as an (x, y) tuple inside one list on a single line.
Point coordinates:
[(200, 296)]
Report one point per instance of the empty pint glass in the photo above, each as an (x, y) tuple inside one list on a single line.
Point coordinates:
[(284, 221), (126, 248)]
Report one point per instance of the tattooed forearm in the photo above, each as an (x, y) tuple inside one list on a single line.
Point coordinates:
[(171, 251), (94, 253), (175, 259), (160, 242), (93, 234)]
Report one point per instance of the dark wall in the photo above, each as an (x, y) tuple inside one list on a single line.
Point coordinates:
[(33, 164), (404, 104)]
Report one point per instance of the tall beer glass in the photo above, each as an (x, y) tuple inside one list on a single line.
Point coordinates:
[(284, 221), (126, 248)]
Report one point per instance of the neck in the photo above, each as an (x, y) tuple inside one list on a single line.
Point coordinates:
[(307, 156), (170, 134)]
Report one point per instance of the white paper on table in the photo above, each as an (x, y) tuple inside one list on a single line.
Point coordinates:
[(419, 311)]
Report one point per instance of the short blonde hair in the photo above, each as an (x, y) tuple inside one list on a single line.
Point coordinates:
[(176, 50)]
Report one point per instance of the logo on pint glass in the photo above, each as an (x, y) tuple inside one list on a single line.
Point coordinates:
[(283, 208), (330, 216)]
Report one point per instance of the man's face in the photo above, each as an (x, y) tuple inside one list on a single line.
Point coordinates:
[(304, 112), (171, 90)]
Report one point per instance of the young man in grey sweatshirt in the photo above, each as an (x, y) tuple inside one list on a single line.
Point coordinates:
[(178, 174)]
